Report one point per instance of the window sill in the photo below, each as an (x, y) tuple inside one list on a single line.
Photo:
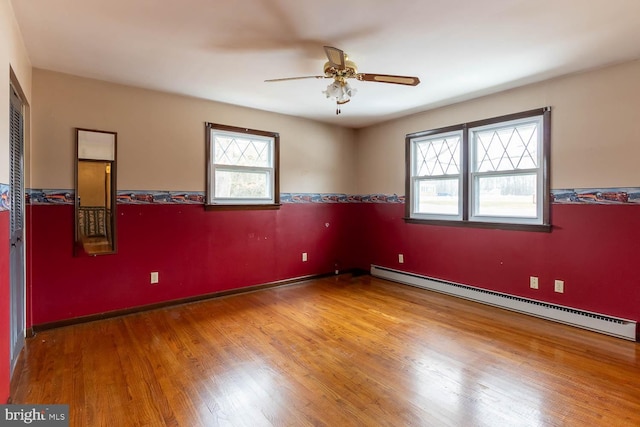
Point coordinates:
[(267, 207), (542, 228)]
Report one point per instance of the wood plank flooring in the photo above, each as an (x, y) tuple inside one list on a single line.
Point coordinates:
[(333, 352)]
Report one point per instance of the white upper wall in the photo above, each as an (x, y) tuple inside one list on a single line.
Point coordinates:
[(13, 55), (161, 137), (594, 141), (595, 130)]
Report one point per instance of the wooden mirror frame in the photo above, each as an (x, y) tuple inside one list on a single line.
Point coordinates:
[(101, 147)]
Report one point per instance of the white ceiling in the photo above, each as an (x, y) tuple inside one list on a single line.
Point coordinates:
[(223, 50)]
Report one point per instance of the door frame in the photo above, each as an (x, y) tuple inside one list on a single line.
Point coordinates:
[(18, 316)]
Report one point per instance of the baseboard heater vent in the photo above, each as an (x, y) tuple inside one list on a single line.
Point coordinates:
[(621, 328)]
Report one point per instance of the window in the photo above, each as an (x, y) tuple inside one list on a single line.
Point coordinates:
[(242, 168), (490, 173), (436, 175)]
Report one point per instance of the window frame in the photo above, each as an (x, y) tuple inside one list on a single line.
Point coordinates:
[(415, 180), (221, 203), (469, 197)]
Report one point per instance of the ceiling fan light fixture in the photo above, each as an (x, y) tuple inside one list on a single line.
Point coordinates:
[(341, 91)]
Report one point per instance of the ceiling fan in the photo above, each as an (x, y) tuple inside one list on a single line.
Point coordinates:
[(340, 68)]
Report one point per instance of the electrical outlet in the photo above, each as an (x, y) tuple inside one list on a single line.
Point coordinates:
[(559, 286), (304, 257), (400, 258), (154, 277), (533, 282)]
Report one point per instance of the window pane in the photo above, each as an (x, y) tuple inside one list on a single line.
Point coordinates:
[(507, 196), (438, 156), (238, 151), (437, 196), (245, 185), (507, 148)]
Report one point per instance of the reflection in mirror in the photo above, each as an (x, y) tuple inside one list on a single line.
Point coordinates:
[(95, 191)]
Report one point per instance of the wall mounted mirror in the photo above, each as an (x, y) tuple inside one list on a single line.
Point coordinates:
[(95, 192)]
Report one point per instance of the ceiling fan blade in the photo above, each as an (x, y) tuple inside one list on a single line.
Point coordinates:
[(296, 78), (335, 56), (387, 78)]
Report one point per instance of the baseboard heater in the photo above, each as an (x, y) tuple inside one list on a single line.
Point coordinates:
[(617, 327)]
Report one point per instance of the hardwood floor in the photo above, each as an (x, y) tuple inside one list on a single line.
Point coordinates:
[(333, 352)]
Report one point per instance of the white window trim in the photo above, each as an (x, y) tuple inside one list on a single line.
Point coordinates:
[(475, 176), (415, 180), (540, 223), (271, 138)]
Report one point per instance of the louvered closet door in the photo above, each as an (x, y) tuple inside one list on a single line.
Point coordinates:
[(16, 251)]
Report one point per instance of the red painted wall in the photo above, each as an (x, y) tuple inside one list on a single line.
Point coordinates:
[(5, 319), (593, 248), (195, 252)]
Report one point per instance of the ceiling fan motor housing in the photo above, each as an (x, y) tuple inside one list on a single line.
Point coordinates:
[(349, 71)]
